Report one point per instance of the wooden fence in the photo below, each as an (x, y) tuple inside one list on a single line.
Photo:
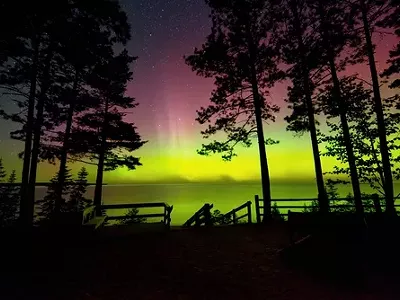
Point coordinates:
[(232, 215), (201, 217), (166, 215), (260, 211)]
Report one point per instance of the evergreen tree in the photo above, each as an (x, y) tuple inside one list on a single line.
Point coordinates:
[(3, 173), (77, 200), (335, 36), (95, 33), (37, 62), (6, 204), (9, 197), (103, 135), (364, 134), (301, 52), (392, 21), (3, 187), (369, 14), (19, 75), (46, 206), (240, 56)]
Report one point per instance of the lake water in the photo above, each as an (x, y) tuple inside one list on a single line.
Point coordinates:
[(188, 198)]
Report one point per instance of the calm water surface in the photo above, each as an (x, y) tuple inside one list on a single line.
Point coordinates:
[(188, 198)]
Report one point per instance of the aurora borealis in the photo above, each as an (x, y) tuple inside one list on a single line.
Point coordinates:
[(169, 94)]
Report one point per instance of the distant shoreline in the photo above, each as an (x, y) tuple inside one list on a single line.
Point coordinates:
[(44, 184), (280, 182)]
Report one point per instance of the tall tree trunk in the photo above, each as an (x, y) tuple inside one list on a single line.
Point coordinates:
[(387, 170), (24, 196), (265, 178), (65, 146), (337, 94), (347, 138), (37, 131), (98, 191), (322, 195)]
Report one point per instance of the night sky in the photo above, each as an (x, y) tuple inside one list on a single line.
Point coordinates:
[(169, 94)]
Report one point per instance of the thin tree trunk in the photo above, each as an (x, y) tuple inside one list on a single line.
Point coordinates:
[(347, 140), (265, 178), (337, 93), (322, 195), (389, 193), (37, 132), (65, 146), (24, 196), (98, 191)]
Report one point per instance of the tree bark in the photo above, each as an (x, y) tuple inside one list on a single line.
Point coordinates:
[(37, 132), (322, 195), (347, 140), (100, 166), (65, 146), (337, 94), (387, 170), (24, 196), (265, 178)]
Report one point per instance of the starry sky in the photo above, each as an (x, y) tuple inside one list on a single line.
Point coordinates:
[(168, 92)]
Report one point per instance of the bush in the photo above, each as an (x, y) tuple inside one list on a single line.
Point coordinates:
[(131, 217), (217, 218)]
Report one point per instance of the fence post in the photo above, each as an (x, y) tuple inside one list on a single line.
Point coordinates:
[(257, 202), (234, 217), (377, 203), (249, 211), (168, 216), (267, 209), (165, 214)]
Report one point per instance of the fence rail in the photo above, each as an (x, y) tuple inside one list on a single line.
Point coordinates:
[(260, 211), (202, 216), (232, 215), (166, 215)]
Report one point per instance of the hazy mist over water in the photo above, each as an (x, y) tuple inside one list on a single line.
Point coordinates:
[(187, 198)]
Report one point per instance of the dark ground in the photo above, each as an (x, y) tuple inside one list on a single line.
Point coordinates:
[(237, 262)]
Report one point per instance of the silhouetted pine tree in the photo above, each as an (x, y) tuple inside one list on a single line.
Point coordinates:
[(46, 206), (77, 200), (37, 56), (103, 135), (301, 52), (23, 50), (364, 134), (9, 200), (9, 197), (240, 56), (3, 199), (334, 37), (369, 13), (392, 21), (3, 173), (96, 29)]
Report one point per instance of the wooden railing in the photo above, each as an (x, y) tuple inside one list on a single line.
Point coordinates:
[(202, 216), (232, 215), (260, 211), (166, 215)]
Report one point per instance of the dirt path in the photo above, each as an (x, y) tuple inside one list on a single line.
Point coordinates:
[(218, 263)]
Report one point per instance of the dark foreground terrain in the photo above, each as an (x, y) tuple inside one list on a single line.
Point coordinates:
[(238, 262)]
